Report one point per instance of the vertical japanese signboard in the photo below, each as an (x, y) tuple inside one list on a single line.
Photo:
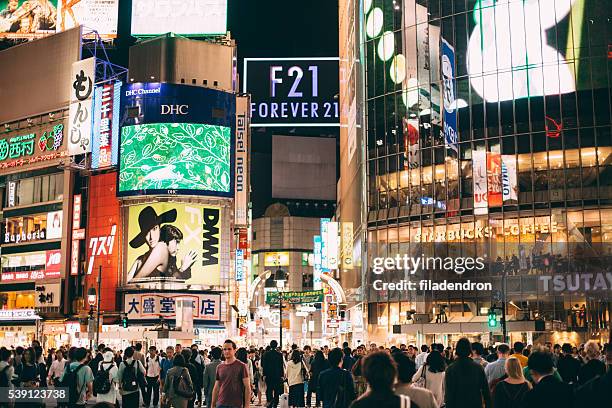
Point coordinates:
[(81, 106), (76, 235), (105, 141), (450, 104)]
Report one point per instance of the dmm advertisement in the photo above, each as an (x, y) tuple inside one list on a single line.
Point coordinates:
[(170, 241)]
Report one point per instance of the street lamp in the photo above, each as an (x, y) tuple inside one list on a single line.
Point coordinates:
[(280, 277), (92, 299)]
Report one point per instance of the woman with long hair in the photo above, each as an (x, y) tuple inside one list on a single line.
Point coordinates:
[(296, 376), (431, 375), (510, 392)]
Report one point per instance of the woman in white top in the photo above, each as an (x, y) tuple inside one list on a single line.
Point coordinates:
[(431, 376), (108, 363), (57, 368), (295, 379)]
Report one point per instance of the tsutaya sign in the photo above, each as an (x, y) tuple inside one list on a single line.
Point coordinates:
[(480, 232), (577, 282)]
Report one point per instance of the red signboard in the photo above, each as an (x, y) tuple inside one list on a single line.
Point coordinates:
[(103, 241), (54, 262), (494, 182)]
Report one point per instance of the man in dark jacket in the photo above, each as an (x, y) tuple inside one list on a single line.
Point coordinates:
[(273, 372), (210, 375), (465, 382), (548, 391), (336, 388), (567, 365)]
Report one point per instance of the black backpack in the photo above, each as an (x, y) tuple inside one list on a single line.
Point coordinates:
[(129, 380), (182, 386), (4, 380), (69, 380), (102, 382)]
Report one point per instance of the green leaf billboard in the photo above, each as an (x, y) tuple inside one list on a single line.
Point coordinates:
[(172, 158)]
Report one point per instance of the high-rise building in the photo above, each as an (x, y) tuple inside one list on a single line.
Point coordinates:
[(487, 134)]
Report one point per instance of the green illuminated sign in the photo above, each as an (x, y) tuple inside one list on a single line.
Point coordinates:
[(23, 145), (295, 298), (175, 156)]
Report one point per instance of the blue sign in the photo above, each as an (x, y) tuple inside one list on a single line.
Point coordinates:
[(239, 265), (450, 96), (155, 102)]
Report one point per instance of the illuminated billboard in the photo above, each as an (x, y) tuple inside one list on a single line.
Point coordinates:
[(292, 91), (155, 102), (174, 242), (173, 158), (190, 18), (37, 18), (99, 15)]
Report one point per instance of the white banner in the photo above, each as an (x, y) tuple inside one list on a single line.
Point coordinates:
[(99, 15), (140, 306), (81, 106), (479, 175), (509, 178), (347, 245), (241, 174), (48, 295), (332, 245)]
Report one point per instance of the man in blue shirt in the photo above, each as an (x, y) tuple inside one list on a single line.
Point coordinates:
[(497, 369), (166, 364)]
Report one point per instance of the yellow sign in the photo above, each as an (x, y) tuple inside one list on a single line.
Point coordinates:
[(276, 259), (173, 242), (347, 245), (484, 232)]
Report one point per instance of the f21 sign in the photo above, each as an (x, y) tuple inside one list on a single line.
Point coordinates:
[(292, 91)]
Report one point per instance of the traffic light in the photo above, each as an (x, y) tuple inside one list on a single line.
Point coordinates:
[(124, 322), (492, 319)]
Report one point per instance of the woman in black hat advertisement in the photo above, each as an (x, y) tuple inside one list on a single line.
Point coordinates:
[(155, 261)]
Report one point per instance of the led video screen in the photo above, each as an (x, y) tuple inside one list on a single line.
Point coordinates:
[(173, 158)]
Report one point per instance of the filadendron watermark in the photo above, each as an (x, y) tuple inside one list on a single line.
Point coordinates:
[(412, 265)]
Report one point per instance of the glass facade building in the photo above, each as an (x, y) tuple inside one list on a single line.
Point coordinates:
[(489, 134)]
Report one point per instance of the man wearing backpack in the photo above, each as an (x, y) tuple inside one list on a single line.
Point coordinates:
[(105, 380), (6, 370), (130, 375), (153, 371), (78, 378)]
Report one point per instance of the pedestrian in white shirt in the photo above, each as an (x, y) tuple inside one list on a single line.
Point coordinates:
[(422, 357), (108, 366), (57, 368), (153, 371)]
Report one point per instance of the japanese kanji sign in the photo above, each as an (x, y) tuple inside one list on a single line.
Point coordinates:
[(81, 106), (140, 306)]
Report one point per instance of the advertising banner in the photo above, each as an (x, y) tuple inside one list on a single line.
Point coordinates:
[(239, 265), (20, 148), (27, 19), (33, 228), (332, 245), (172, 241), (494, 179), (295, 298), (105, 144), (347, 245), (509, 178), (292, 91), (174, 158), (140, 306), (31, 266), (276, 259), (412, 159), (241, 173), (154, 102), (317, 268), (48, 295), (80, 120), (99, 15), (324, 244), (187, 18), (479, 178), (449, 100)]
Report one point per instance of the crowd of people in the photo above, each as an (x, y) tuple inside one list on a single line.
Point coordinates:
[(432, 376)]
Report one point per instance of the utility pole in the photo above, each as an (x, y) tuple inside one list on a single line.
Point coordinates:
[(99, 281)]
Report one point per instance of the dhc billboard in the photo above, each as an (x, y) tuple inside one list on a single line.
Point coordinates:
[(155, 102)]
